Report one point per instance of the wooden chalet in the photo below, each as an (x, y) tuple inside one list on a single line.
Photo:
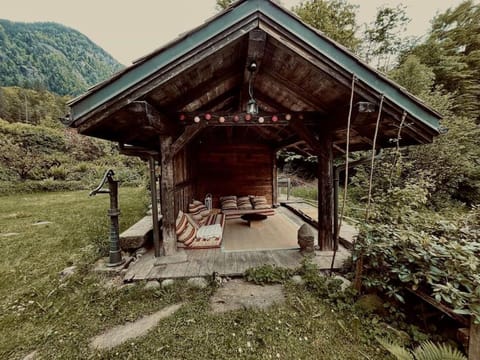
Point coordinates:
[(190, 107)]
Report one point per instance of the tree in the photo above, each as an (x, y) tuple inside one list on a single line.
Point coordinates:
[(27, 149), (383, 38), (416, 77), (452, 51), (335, 18), (223, 4)]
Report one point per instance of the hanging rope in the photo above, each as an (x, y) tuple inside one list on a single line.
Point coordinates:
[(345, 186), (397, 151), (357, 282), (374, 148), (347, 153)]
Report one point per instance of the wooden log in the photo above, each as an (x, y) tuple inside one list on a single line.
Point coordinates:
[(274, 179), (138, 234), (167, 189), (155, 216), (474, 342), (325, 192), (445, 309)]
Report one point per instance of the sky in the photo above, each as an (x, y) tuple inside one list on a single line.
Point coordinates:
[(130, 30)]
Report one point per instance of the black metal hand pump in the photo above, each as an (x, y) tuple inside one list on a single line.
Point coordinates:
[(115, 251)]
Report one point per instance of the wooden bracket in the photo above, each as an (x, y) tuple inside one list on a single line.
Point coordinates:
[(188, 134), (161, 123), (306, 135)]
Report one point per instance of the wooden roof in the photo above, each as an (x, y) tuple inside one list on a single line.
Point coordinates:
[(300, 72)]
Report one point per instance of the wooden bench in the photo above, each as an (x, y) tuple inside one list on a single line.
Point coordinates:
[(138, 234)]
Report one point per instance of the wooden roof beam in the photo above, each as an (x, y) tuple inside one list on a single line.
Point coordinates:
[(199, 90), (305, 134), (219, 103), (291, 141), (158, 121), (338, 148), (188, 134), (294, 90), (302, 152), (255, 51), (141, 152)]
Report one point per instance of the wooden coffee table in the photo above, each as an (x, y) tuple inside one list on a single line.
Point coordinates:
[(254, 219)]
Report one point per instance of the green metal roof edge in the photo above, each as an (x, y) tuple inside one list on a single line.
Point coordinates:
[(350, 63), (327, 48)]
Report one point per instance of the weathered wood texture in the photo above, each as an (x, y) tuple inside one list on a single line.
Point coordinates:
[(138, 234), (234, 169), (474, 342), (203, 262), (167, 197), (155, 216), (325, 193), (183, 180), (274, 178)]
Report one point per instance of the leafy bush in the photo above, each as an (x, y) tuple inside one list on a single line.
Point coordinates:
[(268, 274), (406, 245)]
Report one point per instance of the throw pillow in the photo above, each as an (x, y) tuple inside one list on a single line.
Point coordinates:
[(243, 203), (228, 202), (259, 202), (185, 228)]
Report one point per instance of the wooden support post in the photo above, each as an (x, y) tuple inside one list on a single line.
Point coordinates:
[(274, 179), (153, 189), (474, 341), (167, 196), (325, 192)]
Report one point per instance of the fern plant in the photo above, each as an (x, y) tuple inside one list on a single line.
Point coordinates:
[(426, 351)]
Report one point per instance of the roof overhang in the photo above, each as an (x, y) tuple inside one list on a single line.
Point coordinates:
[(300, 71)]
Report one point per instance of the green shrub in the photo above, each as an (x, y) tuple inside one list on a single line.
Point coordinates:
[(58, 172), (268, 274), (405, 245), (32, 186)]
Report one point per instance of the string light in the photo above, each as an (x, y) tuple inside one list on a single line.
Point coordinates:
[(236, 118)]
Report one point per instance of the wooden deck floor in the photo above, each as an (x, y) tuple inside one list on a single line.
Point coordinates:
[(234, 262), (205, 262)]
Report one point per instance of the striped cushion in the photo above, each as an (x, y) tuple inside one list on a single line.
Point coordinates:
[(198, 212), (243, 203), (185, 228), (228, 202), (181, 223), (196, 207)]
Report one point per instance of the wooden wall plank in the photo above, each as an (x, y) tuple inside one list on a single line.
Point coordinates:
[(234, 169)]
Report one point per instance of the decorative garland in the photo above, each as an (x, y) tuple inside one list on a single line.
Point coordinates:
[(236, 118)]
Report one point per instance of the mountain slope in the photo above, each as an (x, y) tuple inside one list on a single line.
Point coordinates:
[(51, 56)]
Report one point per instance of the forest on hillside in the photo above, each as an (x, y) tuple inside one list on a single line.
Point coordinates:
[(38, 152), (51, 56)]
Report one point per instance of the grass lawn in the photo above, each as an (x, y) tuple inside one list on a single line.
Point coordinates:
[(40, 311)]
